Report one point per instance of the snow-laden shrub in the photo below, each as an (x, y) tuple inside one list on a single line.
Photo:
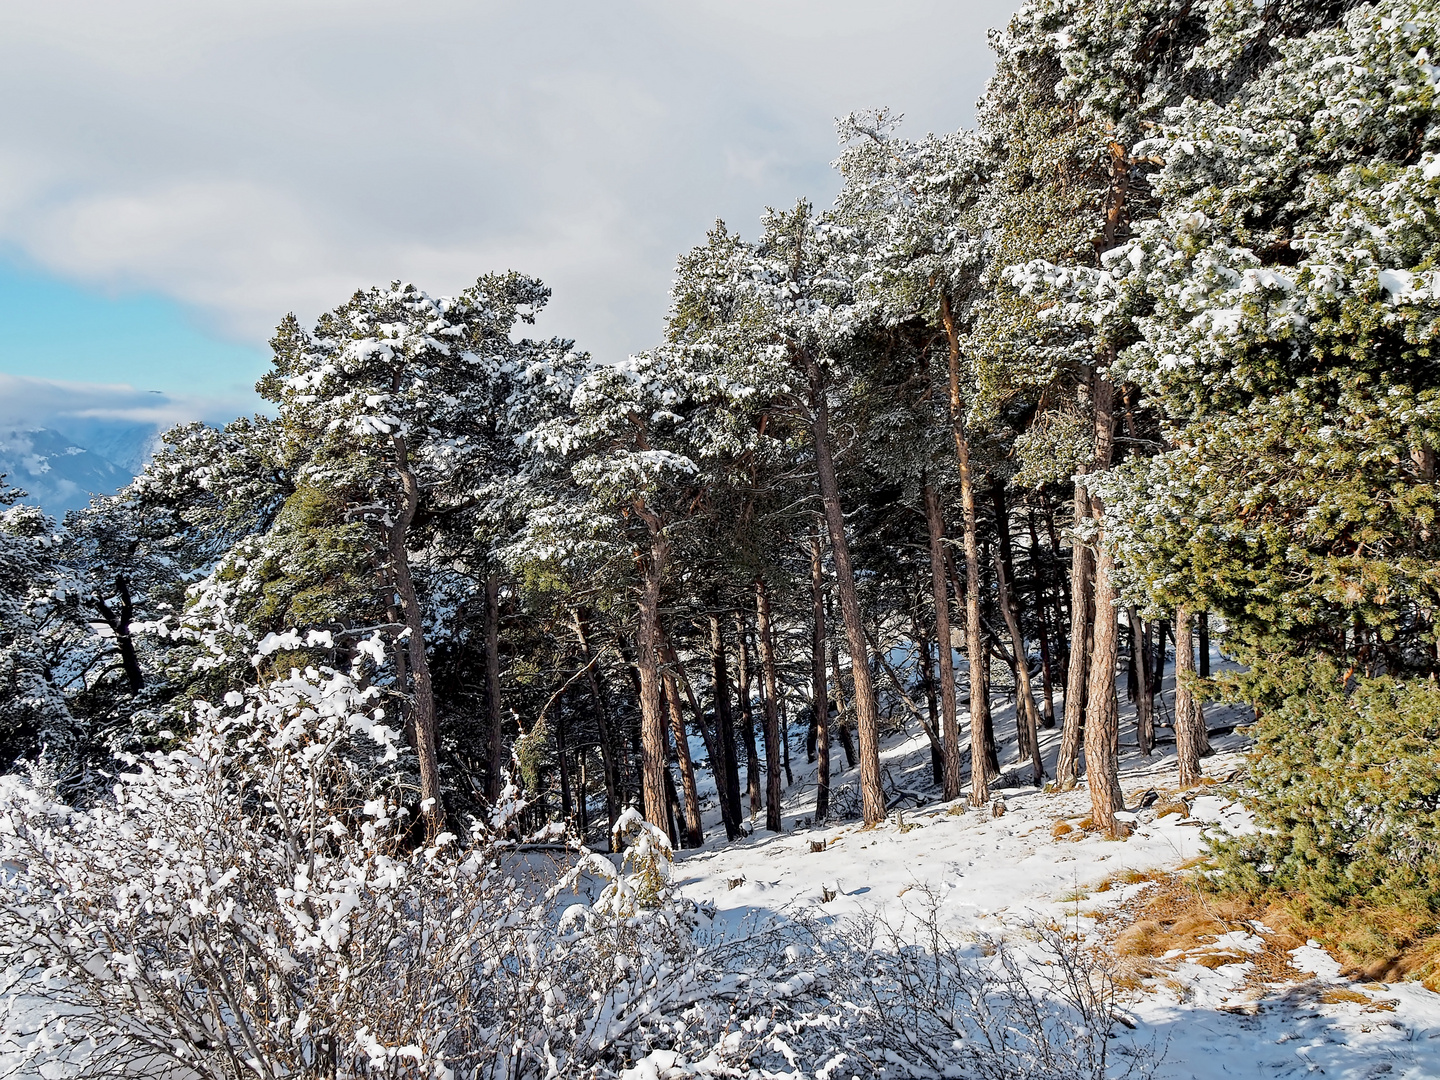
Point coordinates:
[(245, 906)]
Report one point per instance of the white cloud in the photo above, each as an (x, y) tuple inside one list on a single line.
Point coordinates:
[(255, 158)]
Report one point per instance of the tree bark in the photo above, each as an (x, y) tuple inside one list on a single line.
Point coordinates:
[(492, 683), (867, 714), (949, 725), (1067, 764), (1144, 717), (1189, 718), (819, 695), (747, 715), (1041, 573), (422, 709), (1102, 712), (647, 645), (727, 772), (694, 833), (1026, 715), (842, 724), (975, 651), (772, 712)]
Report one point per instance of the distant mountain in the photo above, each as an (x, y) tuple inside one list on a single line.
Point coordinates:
[(57, 474), (126, 443)]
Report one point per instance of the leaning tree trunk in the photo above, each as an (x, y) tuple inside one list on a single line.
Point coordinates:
[(772, 712), (976, 653), (1102, 708), (1025, 715), (819, 696), (647, 666), (492, 684), (949, 726), (1046, 682), (867, 713), (119, 622), (1189, 719), (727, 769), (422, 709)]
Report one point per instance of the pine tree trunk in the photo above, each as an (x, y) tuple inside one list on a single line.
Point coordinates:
[(727, 770), (932, 702), (1067, 764), (949, 725), (1040, 572), (772, 713), (492, 683), (1144, 718), (819, 695), (976, 654), (1192, 742), (747, 715), (119, 623), (422, 709), (562, 756), (694, 833), (1102, 711), (647, 645), (1026, 716), (602, 725), (867, 715)]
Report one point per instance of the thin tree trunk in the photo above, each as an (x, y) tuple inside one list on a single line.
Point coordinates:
[(747, 715), (1188, 716), (727, 771), (492, 683), (932, 703), (602, 725), (1041, 575), (772, 713), (1144, 717), (975, 650), (647, 646), (1067, 764), (949, 725), (694, 833), (562, 756), (818, 693), (1026, 716), (1102, 712), (842, 720), (867, 716), (422, 710)]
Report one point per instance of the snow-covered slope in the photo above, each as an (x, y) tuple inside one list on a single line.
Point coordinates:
[(54, 472), (1002, 875)]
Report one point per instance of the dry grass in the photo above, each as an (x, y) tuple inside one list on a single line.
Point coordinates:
[(1061, 828)]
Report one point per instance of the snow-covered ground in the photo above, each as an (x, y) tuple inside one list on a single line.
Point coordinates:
[(995, 875)]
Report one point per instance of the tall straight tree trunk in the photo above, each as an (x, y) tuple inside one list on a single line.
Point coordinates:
[(727, 773), (772, 712), (567, 803), (975, 650), (819, 695), (932, 702), (602, 724), (492, 683), (1144, 717), (1191, 740), (747, 715), (841, 722), (867, 713), (1041, 575), (1026, 716), (949, 725), (694, 833), (647, 667), (422, 709), (1102, 712), (1067, 764)]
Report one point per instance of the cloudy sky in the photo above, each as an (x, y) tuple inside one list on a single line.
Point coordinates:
[(176, 175)]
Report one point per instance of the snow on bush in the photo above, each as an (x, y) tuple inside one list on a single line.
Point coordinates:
[(247, 905)]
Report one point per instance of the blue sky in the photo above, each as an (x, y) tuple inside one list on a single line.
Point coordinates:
[(61, 331)]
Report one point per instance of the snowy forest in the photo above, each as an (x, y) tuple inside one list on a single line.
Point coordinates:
[(1081, 466)]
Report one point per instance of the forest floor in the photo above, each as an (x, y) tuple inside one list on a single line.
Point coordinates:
[(1210, 992)]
